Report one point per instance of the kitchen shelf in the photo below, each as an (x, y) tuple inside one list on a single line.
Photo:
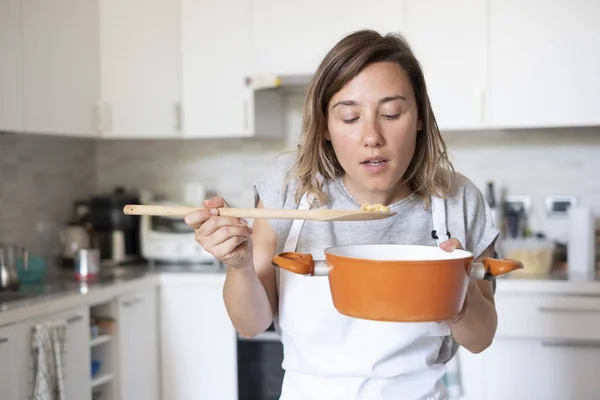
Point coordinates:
[(98, 340), (101, 380)]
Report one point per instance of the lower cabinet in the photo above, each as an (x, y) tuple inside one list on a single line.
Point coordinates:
[(137, 324), (198, 343), (524, 369)]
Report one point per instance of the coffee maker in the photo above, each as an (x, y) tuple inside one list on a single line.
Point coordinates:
[(115, 233)]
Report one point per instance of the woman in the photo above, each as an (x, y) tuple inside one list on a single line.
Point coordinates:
[(368, 136)]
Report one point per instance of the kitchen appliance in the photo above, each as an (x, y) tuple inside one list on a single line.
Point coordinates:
[(259, 359), (399, 283), (10, 258), (115, 234), (73, 237), (168, 239)]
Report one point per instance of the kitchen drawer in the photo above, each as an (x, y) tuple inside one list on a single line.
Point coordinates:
[(547, 316)]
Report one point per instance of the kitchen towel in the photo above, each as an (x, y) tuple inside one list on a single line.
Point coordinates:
[(581, 247), (48, 346)]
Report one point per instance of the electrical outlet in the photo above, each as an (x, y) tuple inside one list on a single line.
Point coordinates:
[(557, 205)]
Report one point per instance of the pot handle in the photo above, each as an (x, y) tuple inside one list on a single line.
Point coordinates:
[(492, 267), (298, 263)]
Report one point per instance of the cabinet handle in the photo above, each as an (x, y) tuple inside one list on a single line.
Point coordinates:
[(129, 303), (177, 110), (245, 114), (569, 310), (74, 319), (3, 340), (571, 343)]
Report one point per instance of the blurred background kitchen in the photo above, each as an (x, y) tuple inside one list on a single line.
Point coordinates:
[(104, 103)]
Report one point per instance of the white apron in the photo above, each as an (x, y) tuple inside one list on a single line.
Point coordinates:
[(329, 356)]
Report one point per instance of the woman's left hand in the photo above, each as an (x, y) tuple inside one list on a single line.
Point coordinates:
[(450, 245)]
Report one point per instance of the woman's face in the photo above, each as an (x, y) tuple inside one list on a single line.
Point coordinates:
[(372, 125)]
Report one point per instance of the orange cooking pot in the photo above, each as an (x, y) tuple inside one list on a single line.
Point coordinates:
[(399, 283)]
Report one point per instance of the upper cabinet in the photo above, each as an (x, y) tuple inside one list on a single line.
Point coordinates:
[(215, 67), (292, 37), (101, 67), (11, 66), (60, 66), (545, 64), (451, 45), (139, 47)]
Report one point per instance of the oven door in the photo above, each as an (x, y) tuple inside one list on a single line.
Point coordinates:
[(260, 375)]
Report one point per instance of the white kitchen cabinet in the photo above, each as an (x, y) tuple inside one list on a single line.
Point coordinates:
[(139, 75), (76, 353), (101, 68), (198, 342), (291, 37), (11, 66), (138, 346), (61, 63), (524, 369), (472, 375), (544, 72), (451, 45), (13, 361), (216, 48)]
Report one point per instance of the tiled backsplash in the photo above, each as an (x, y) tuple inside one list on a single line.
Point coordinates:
[(40, 177), (536, 162)]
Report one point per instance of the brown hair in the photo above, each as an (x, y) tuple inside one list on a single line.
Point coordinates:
[(430, 171)]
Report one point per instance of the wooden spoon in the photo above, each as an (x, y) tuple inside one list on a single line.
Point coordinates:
[(255, 213)]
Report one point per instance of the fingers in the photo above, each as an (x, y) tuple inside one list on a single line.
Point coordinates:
[(196, 218), (215, 202), (450, 245), (225, 232)]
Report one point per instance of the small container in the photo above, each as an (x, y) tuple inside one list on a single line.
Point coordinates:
[(536, 255), (87, 263)]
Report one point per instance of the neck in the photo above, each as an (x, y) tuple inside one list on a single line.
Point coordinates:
[(385, 197)]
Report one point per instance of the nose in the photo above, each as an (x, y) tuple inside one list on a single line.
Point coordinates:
[(372, 134)]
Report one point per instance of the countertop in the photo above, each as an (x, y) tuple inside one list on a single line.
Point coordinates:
[(64, 292), (36, 300)]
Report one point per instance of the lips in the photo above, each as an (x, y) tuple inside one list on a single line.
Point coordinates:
[(374, 160)]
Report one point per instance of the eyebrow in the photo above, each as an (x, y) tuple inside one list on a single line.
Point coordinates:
[(355, 103)]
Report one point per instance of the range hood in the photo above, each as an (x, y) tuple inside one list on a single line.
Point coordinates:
[(278, 82)]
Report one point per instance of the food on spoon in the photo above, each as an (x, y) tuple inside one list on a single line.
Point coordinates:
[(374, 207)]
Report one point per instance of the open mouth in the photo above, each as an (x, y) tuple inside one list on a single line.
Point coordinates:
[(374, 161)]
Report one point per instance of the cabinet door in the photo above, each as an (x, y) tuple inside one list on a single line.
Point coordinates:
[(60, 66), (215, 54), (12, 362), (140, 68), (11, 66), (138, 346), (524, 369), (291, 37), (451, 44), (198, 343), (543, 70), (77, 359)]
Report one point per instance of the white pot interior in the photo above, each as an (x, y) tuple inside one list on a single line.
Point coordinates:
[(396, 252)]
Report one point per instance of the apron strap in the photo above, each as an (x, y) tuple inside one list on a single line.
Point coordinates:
[(292, 240), (438, 209)]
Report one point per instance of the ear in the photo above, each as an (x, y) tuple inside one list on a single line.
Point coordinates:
[(327, 135), (419, 126)]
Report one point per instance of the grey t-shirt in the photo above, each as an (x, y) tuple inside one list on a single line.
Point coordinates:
[(468, 220)]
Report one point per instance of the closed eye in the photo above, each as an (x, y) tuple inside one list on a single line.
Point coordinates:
[(394, 116), (350, 121)]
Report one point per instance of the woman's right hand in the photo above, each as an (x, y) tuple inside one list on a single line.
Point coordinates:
[(228, 239)]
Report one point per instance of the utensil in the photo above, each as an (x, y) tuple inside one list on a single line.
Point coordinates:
[(399, 283), (256, 213)]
